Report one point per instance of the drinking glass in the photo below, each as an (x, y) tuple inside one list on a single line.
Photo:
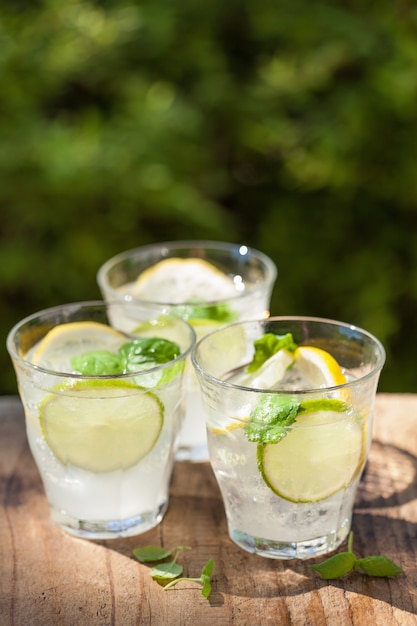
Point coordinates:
[(289, 430), (251, 276), (103, 410)]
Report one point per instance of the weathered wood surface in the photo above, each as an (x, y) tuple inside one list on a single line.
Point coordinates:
[(50, 578)]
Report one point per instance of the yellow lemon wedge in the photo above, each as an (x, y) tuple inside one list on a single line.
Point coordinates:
[(64, 341), (100, 425), (177, 280), (319, 367)]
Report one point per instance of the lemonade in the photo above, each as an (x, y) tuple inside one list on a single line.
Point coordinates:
[(289, 404), (103, 407), (209, 284)]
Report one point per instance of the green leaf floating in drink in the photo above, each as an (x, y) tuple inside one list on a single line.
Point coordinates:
[(205, 318), (140, 354), (267, 346)]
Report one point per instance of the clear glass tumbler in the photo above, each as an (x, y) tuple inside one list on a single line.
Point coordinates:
[(103, 394), (289, 406), (209, 284)]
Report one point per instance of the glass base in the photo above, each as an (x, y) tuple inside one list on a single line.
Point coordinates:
[(289, 550), (194, 454), (108, 529)]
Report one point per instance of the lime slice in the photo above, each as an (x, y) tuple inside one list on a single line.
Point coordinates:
[(203, 327), (101, 426), (179, 280), (320, 455), (64, 341)]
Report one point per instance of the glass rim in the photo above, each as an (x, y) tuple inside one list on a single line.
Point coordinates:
[(380, 351), (271, 270), (105, 304)]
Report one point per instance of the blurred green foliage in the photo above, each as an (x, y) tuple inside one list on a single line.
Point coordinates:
[(289, 126)]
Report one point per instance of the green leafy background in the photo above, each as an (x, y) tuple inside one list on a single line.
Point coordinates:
[(288, 126)]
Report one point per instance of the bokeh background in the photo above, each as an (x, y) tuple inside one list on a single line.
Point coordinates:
[(289, 126)]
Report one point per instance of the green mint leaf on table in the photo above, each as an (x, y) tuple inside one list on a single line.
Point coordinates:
[(267, 346), (336, 566), (340, 564), (97, 363), (166, 571), (150, 554), (206, 574), (204, 579), (171, 570), (378, 566)]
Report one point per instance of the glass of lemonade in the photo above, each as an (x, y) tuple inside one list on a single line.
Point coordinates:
[(102, 389), (289, 404), (207, 283)]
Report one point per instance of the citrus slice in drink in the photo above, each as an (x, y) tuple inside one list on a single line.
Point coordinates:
[(203, 327), (321, 454), (271, 373), (177, 280), (319, 367), (62, 342), (100, 425)]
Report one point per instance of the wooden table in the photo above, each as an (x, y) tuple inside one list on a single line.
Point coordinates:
[(50, 578)]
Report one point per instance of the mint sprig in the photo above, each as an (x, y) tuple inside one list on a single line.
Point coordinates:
[(267, 346), (216, 312), (169, 573), (272, 417), (204, 579), (342, 563), (137, 355)]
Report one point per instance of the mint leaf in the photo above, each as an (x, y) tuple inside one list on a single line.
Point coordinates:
[(97, 363), (215, 312), (206, 574), (324, 404), (139, 354), (270, 419), (267, 346), (165, 571), (337, 566), (378, 566), (343, 563), (149, 554), (172, 570), (145, 352), (204, 579)]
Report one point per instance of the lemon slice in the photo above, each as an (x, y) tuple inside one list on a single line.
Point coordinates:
[(318, 367), (177, 280), (321, 454), (271, 372), (64, 341), (101, 426)]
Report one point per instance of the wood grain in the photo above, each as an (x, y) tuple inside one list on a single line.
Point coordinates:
[(50, 578)]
